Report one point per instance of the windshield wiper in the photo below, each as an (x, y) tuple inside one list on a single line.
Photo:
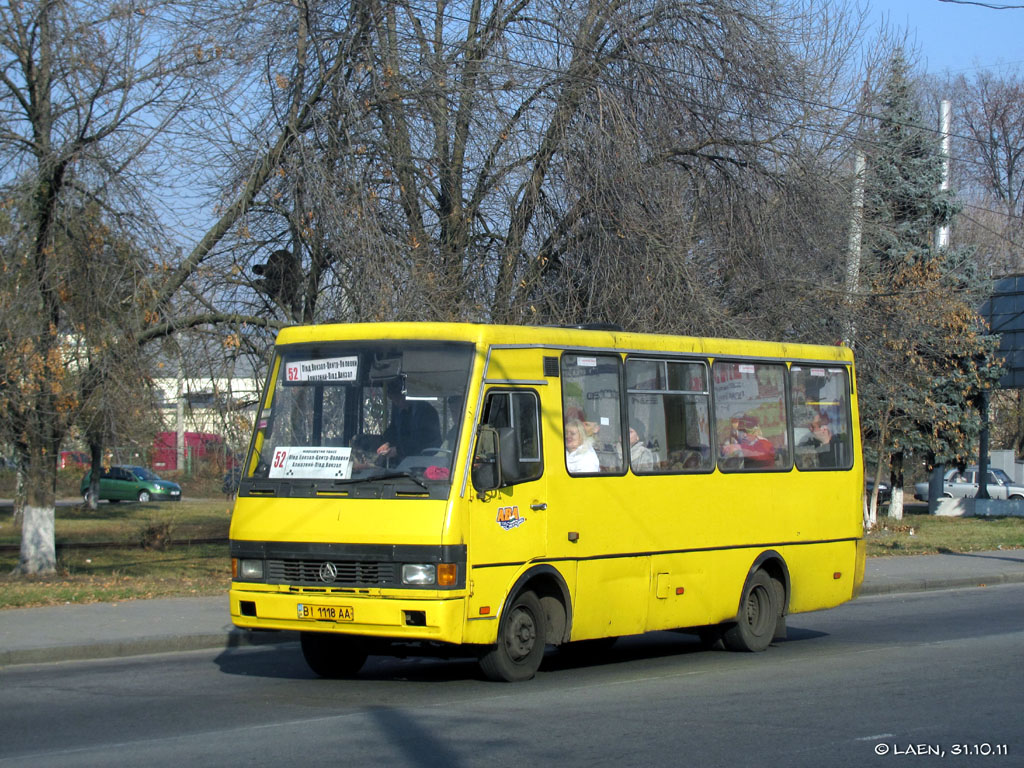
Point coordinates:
[(385, 476)]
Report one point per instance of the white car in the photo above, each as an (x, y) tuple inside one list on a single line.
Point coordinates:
[(964, 485)]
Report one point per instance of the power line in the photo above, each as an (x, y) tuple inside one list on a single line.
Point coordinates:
[(992, 6)]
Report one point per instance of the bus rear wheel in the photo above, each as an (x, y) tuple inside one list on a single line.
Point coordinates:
[(759, 613), (522, 635), (332, 656)]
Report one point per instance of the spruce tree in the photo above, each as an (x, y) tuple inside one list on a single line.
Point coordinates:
[(925, 356)]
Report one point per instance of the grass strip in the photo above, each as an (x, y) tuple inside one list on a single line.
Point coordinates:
[(131, 551)]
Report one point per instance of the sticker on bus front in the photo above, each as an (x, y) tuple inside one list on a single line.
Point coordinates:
[(323, 369), (312, 463)]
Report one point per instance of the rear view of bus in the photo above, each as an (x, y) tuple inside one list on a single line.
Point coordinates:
[(341, 528)]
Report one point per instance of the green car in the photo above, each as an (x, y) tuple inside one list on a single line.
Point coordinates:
[(131, 484)]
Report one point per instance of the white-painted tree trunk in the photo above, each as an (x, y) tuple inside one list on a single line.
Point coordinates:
[(38, 548), (896, 505)]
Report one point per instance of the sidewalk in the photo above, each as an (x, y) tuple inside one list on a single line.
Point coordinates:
[(107, 630)]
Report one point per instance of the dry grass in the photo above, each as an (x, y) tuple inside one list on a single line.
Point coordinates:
[(124, 551), (922, 534)]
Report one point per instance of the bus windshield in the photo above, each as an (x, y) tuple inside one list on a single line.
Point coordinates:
[(348, 413)]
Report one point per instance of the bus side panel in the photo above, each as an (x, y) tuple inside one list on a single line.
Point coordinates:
[(704, 587), (608, 597), (694, 589), (823, 575)]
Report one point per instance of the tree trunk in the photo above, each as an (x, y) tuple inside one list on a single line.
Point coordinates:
[(95, 467), (871, 515), (896, 477), (19, 491), (871, 512), (38, 547)]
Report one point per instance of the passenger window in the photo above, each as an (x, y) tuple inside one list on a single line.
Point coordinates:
[(669, 416), (750, 416), (516, 418), (821, 417), (591, 410)]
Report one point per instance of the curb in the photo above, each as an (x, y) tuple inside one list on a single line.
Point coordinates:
[(930, 585), (143, 646)]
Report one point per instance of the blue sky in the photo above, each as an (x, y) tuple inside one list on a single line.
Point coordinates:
[(958, 37)]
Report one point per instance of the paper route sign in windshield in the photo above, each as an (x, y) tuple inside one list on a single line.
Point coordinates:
[(304, 461), (322, 369)]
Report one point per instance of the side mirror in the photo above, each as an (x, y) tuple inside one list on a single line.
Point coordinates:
[(486, 471)]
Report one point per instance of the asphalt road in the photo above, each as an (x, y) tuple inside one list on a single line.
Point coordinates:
[(873, 682)]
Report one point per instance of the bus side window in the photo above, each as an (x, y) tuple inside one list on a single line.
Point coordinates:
[(669, 416), (821, 417), (592, 414), (516, 418), (750, 416)]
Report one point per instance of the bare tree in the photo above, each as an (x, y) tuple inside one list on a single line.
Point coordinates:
[(527, 162), (87, 95), (990, 163)]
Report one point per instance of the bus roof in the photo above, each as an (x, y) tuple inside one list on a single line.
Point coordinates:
[(562, 337)]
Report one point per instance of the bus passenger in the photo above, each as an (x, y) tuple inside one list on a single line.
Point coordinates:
[(414, 426), (640, 457), (747, 442), (821, 445), (580, 456)]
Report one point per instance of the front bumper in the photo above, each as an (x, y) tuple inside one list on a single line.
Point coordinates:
[(398, 617)]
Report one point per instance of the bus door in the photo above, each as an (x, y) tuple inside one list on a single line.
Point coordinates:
[(510, 521)]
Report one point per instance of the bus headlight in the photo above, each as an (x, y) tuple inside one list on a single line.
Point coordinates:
[(250, 570), (427, 574), (419, 574)]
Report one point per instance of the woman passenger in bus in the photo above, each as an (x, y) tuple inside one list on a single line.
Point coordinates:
[(580, 456), (747, 442)]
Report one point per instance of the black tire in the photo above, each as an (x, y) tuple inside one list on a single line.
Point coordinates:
[(759, 613), (144, 496), (521, 639), (333, 656), (88, 497)]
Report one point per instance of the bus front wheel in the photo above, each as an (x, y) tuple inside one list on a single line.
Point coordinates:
[(332, 656), (522, 635), (759, 613)]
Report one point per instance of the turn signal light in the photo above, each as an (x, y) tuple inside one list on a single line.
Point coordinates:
[(446, 573)]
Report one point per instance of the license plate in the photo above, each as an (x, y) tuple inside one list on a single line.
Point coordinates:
[(325, 612)]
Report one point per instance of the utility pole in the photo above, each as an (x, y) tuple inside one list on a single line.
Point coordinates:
[(853, 246), (945, 121), (179, 421)]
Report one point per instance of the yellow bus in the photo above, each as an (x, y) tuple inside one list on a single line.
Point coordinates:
[(462, 488)]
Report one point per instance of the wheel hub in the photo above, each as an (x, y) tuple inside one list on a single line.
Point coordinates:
[(522, 635)]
